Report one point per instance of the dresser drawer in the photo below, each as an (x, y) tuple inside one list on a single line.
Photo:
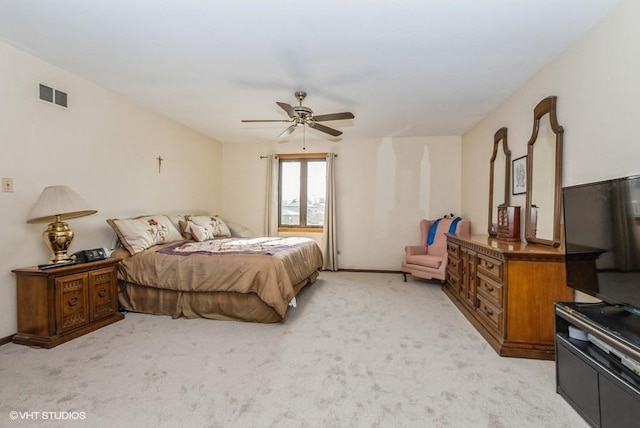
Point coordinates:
[(453, 264), (491, 267), (491, 315), (453, 281), (453, 249), (492, 290)]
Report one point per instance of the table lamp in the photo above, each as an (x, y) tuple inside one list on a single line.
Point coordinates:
[(57, 203)]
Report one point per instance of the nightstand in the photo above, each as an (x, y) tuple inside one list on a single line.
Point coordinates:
[(59, 304)]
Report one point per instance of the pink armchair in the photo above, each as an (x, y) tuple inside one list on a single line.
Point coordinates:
[(430, 261)]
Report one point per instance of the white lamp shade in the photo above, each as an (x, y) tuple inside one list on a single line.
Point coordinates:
[(59, 201)]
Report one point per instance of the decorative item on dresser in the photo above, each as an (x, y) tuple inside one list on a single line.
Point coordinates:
[(508, 223), (59, 304), (507, 291)]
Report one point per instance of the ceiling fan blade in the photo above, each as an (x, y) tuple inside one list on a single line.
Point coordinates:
[(290, 111), (288, 131), (259, 120), (334, 116), (325, 129)]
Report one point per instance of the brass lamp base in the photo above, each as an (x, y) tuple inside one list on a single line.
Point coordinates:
[(58, 237)]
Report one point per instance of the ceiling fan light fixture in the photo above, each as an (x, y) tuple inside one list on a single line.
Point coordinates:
[(302, 115)]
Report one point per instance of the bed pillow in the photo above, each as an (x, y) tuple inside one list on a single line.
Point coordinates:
[(185, 230), (175, 220), (179, 221), (138, 234), (239, 231), (203, 227)]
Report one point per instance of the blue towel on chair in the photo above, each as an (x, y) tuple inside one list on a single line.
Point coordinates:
[(432, 230), (454, 224)]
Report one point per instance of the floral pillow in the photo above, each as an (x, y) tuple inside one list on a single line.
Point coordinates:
[(204, 227), (138, 234)]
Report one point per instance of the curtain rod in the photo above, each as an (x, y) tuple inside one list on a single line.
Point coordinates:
[(265, 157)]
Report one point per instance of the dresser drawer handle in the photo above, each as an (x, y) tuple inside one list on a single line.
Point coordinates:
[(489, 288), (490, 265), (488, 311), (73, 301), (102, 292)]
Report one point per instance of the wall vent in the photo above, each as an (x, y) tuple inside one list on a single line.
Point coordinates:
[(53, 96)]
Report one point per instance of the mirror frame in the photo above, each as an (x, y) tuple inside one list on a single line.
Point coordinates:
[(499, 136), (547, 105)]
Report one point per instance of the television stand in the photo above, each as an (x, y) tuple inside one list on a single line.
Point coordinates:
[(599, 378)]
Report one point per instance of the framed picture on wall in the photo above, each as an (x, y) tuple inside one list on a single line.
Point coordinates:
[(519, 179)]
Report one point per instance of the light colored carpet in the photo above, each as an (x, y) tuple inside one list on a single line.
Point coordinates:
[(360, 350)]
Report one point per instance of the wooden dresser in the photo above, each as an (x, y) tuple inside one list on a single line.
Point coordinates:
[(59, 304), (507, 291)]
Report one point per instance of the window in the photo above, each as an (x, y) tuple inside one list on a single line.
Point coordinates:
[(302, 189)]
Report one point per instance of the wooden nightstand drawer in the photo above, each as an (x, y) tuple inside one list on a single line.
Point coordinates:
[(102, 286), (71, 301)]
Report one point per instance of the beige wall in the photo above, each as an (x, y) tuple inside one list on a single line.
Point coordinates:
[(104, 147), (384, 188), (596, 81)]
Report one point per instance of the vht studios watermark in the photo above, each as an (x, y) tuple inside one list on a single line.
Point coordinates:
[(44, 416)]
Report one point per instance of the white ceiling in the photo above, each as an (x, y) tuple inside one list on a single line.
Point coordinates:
[(403, 67)]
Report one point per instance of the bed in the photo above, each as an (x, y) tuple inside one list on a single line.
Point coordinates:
[(222, 277)]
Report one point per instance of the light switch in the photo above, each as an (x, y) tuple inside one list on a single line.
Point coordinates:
[(7, 184)]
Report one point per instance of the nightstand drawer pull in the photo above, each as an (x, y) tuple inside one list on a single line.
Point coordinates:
[(490, 288), (102, 292), (488, 311), (73, 301)]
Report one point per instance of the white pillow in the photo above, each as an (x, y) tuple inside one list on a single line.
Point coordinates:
[(138, 234), (204, 227)]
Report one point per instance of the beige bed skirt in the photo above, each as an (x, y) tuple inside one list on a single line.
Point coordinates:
[(211, 304)]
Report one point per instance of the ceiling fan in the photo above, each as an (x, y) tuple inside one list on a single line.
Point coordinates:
[(301, 115)]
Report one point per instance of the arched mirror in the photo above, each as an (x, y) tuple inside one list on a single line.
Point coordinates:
[(544, 176), (499, 173)]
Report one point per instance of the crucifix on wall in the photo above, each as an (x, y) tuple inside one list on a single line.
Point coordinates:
[(159, 158)]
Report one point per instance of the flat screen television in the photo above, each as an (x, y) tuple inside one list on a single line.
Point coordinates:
[(602, 240)]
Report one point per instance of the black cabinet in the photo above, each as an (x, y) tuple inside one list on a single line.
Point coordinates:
[(593, 379)]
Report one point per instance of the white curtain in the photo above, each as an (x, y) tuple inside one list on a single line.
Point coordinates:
[(329, 231), (271, 205)]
